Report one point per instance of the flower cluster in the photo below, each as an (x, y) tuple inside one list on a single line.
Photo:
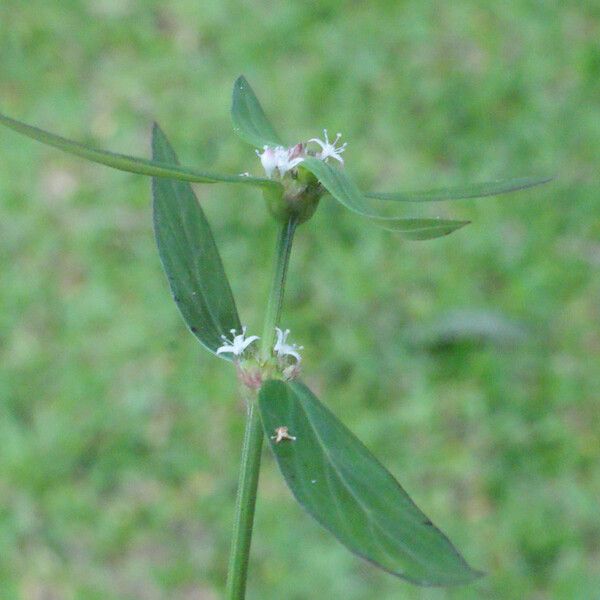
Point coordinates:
[(278, 160), (288, 355), (281, 159)]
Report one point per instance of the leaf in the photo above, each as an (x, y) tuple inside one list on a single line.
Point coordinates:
[(347, 490), (473, 190), (130, 163), (189, 255), (249, 119), (340, 186), (421, 229), (345, 191)]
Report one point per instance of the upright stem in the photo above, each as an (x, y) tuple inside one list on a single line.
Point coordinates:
[(282, 258), (245, 503), (253, 436)]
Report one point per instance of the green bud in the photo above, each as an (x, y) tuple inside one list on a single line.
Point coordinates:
[(300, 198)]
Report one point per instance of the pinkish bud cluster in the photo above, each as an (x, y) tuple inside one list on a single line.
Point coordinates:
[(278, 160)]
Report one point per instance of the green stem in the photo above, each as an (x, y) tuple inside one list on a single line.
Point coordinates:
[(237, 572), (284, 248), (245, 503)]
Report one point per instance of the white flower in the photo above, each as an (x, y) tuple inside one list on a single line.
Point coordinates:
[(237, 344), (268, 160), (280, 158), (282, 349), (328, 149)]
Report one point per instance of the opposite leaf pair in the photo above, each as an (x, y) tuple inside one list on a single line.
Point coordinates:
[(331, 474), (252, 125)]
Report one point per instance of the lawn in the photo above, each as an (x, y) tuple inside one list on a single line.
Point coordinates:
[(470, 365)]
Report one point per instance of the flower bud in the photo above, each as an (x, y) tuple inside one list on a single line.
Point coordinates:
[(300, 198)]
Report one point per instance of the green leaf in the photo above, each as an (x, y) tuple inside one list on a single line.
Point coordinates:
[(249, 119), (344, 487), (345, 191), (340, 186), (421, 229), (474, 190), (130, 163), (189, 255)]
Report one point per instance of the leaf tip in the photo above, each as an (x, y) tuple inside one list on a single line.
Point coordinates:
[(156, 131), (465, 575), (240, 84), (157, 136)]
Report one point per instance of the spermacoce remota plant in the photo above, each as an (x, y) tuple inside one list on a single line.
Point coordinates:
[(329, 471)]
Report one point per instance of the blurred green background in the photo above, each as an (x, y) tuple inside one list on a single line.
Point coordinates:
[(469, 364)]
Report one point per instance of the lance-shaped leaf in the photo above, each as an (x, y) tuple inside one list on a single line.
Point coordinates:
[(249, 119), (155, 168), (189, 255), (420, 229), (459, 192), (345, 191), (346, 489)]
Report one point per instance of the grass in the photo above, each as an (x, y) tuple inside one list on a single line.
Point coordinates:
[(468, 364)]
